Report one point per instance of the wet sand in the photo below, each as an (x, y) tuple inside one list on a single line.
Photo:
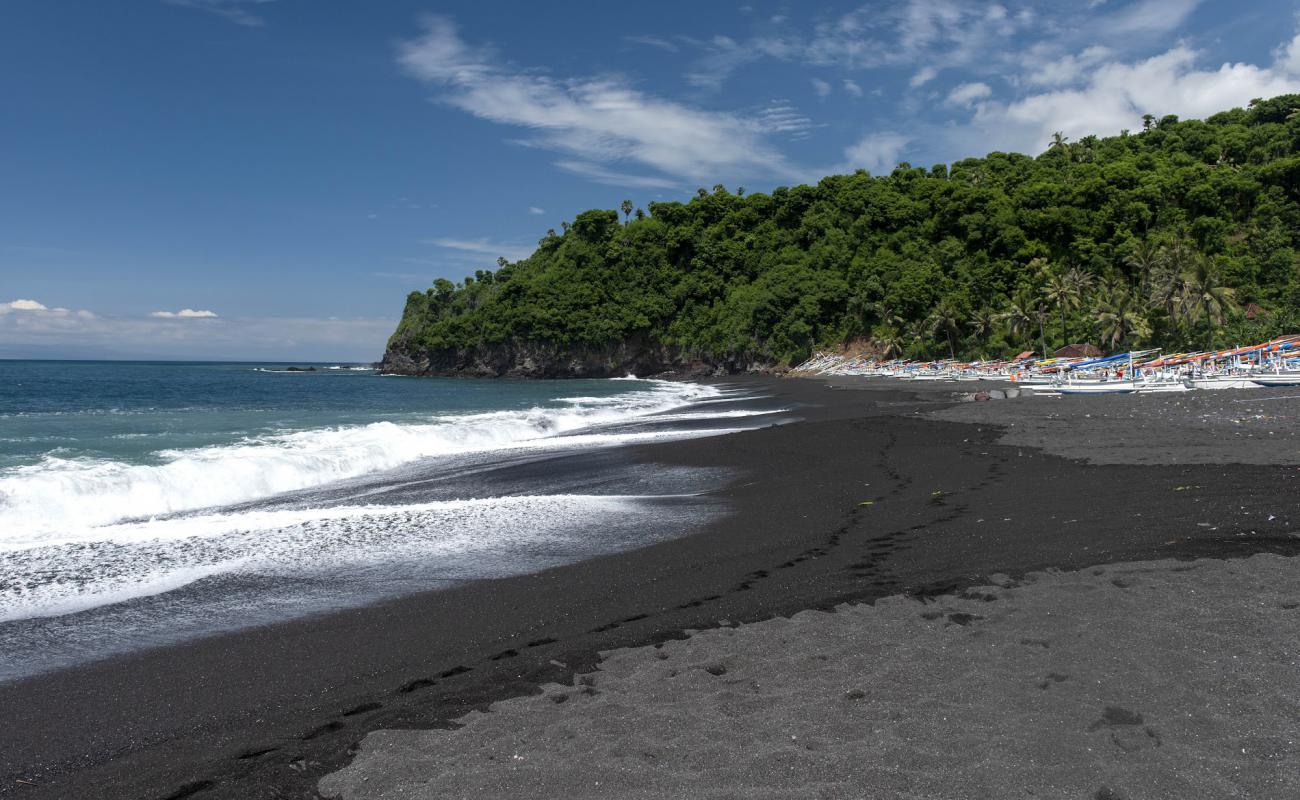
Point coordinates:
[(868, 497)]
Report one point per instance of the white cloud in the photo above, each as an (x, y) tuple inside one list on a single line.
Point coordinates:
[(923, 76), (23, 305), (1117, 94), (62, 333), (852, 87), (235, 11), (31, 312), (184, 313), (595, 119), (1287, 57), (484, 247), (1069, 69), (967, 94), (536, 210), (821, 87), (877, 152)]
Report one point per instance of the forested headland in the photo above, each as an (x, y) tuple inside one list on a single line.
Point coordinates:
[(1180, 234)]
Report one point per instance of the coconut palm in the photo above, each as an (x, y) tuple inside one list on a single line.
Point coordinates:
[(945, 318), (1082, 281), (1204, 297), (1166, 287), (889, 341), (1025, 312), (1144, 259), (982, 323), (1119, 318), (1063, 293), (626, 207), (916, 332)]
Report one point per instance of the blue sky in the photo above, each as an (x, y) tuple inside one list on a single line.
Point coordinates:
[(269, 178)]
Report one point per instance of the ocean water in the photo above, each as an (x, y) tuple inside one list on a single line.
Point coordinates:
[(146, 503)]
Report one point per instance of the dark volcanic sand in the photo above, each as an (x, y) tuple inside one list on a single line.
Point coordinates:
[(867, 498), (1149, 679)]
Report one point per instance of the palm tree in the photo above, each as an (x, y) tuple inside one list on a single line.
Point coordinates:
[(1144, 259), (945, 319), (1119, 318), (1024, 312), (887, 314), (889, 341), (1058, 141), (640, 215), (1205, 297), (982, 323), (1166, 284), (627, 210), (1081, 280), (916, 332), (1062, 292)]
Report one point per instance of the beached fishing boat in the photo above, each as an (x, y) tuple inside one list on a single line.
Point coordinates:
[(1097, 387), (1276, 379), (1214, 382)]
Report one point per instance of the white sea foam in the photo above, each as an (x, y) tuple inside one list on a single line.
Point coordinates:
[(63, 499), (138, 559)]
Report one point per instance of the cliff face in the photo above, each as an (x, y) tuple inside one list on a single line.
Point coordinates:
[(543, 360)]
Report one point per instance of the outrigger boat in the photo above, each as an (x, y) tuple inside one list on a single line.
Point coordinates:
[(1273, 363)]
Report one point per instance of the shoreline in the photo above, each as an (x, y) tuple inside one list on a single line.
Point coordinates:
[(866, 497)]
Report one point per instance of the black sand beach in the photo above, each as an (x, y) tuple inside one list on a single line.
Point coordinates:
[(871, 495)]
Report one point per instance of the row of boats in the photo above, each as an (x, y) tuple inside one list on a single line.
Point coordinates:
[(1272, 363)]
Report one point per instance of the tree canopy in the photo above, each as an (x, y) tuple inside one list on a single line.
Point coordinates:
[(1158, 238)]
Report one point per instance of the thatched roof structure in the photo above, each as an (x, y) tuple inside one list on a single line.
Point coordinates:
[(1077, 351)]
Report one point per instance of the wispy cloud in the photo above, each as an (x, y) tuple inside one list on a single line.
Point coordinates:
[(236, 11), (536, 210), (184, 313), (611, 177), (483, 247), (820, 87), (653, 41), (783, 118), (1151, 16), (600, 120)]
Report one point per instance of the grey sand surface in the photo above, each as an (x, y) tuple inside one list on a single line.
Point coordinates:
[(1161, 679)]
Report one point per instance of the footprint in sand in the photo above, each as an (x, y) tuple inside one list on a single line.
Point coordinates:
[(1126, 728)]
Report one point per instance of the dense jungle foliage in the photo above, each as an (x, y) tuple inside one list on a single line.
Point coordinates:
[(1181, 235)]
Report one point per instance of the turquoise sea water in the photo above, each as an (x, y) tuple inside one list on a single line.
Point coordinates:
[(145, 502)]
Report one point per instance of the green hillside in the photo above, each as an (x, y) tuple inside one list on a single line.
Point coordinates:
[(1181, 234)]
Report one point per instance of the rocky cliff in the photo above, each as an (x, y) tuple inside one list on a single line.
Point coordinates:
[(545, 360)]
